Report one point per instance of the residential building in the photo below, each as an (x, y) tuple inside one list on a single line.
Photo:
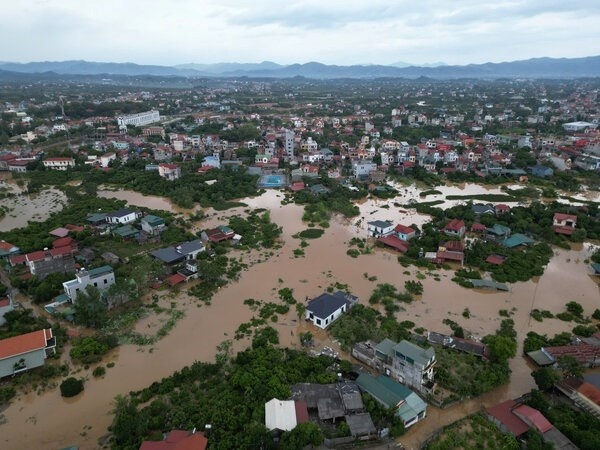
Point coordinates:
[(101, 278), (413, 365), (284, 415), (564, 223), (408, 405), (123, 216), (362, 168), (56, 260), (187, 251), (7, 250), (153, 225), (59, 163), (456, 227), (169, 171), (378, 228), (178, 440), (404, 233), (25, 352), (323, 310), (139, 120)]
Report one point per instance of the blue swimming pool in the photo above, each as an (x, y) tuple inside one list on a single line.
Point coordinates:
[(273, 181)]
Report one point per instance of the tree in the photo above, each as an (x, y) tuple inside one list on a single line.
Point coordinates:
[(575, 308), (71, 387), (90, 310), (570, 367), (501, 348), (304, 434), (545, 378)]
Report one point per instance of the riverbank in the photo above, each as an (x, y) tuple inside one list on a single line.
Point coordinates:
[(50, 421)]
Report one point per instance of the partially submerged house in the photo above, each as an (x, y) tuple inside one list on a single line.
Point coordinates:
[(564, 223), (408, 405), (323, 310), (26, 351), (379, 228)]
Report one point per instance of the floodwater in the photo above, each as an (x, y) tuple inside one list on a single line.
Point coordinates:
[(23, 208), (48, 421), (136, 199)]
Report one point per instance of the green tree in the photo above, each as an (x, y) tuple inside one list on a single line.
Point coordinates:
[(501, 348), (570, 367), (90, 310), (304, 434), (545, 378)]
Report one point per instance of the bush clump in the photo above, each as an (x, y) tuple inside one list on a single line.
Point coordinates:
[(71, 387)]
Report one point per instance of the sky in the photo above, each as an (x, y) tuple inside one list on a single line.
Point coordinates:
[(344, 32)]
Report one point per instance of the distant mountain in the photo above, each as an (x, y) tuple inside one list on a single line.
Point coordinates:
[(223, 68), (531, 68)]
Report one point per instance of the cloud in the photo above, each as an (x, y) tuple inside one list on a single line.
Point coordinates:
[(332, 31)]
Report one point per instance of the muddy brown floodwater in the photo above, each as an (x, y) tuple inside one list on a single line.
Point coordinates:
[(49, 421)]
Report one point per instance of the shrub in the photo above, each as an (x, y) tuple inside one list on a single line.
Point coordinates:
[(71, 387), (353, 253), (99, 372), (596, 314), (311, 233), (575, 308), (582, 330), (6, 393)]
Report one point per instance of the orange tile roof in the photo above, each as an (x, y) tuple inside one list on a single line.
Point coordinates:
[(24, 343)]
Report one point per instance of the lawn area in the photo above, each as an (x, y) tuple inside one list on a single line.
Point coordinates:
[(472, 433)]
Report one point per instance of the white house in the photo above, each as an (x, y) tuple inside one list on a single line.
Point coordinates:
[(59, 163), (139, 120), (101, 277), (282, 415), (405, 233), (123, 216), (326, 308), (378, 228)]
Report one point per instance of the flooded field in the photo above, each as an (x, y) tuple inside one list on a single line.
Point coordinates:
[(49, 421), (136, 199), (23, 208)]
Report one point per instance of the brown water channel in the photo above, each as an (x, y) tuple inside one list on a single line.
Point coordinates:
[(49, 421)]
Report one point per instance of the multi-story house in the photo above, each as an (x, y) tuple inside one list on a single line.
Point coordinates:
[(59, 163), (408, 363), (101, 278)]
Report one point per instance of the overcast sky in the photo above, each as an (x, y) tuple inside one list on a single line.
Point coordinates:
[(169, 32)]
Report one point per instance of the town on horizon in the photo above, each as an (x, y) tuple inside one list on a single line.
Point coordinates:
[(239, 262)]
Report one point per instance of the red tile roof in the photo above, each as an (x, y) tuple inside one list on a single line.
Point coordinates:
[(394, 242), (15, 260), (583, 352), (478, 227), (495, 259), (63, 242), (562, 216), (59, 232), (178, 440), (24, 343), (6, 246), (454, 246), (301, 411), (455, 225), (403, 229), (534, 417), (590, 391), (503, 413), (175, 279)]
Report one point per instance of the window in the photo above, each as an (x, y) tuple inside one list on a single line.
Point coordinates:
[(318, 321), (95, 284), (326, 321), (105, 281)]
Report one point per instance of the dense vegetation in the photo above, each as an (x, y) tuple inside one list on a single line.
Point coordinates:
[(231, 395)]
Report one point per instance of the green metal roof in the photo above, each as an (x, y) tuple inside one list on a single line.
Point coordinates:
[(386, 347), (415, 353), (153, 221), (517, 239), (491, 284), (126, 231), (391, 394), (499, 230), (100, 271)]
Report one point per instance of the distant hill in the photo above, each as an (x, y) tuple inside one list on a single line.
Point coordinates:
[(531, 68)]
